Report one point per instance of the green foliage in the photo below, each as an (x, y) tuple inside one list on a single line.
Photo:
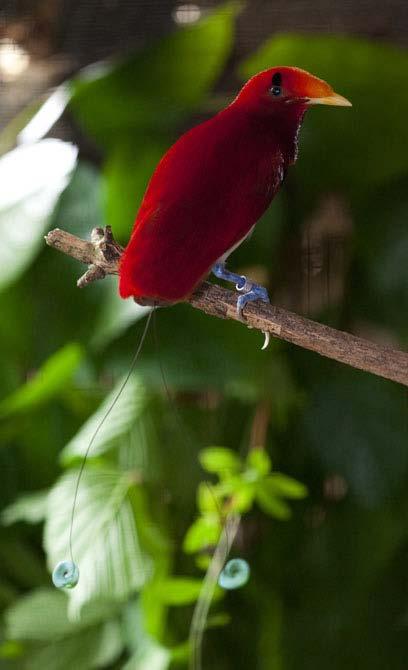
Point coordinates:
[(240, 485), (106, 542), (48, 382), (157, 87), (154, 91), (334, 573), (126, 410), (345, 148), (29, 194), (30, 508)]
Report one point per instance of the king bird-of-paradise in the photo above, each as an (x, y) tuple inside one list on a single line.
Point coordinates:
[(211, 187)]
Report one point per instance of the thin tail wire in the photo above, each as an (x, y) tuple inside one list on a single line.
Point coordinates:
[(108, 411)]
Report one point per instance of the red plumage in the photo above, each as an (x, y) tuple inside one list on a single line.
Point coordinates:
[(213, 185)]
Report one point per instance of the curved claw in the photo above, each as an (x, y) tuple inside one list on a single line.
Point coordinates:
[(266, 341), (248, 289)]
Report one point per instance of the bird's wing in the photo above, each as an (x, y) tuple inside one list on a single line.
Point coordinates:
[(205, 196)]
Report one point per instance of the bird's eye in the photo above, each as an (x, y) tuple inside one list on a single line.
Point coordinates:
[(276, 88)]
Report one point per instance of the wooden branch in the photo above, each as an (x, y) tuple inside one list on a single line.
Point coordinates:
[(102, 255)]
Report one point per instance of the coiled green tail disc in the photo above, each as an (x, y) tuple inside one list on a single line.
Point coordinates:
[(235, 574), (65, 575)]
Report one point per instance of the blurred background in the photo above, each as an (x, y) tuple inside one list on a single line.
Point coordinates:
[(92, 94)]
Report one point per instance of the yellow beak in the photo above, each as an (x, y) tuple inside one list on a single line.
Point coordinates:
[(332, 99)]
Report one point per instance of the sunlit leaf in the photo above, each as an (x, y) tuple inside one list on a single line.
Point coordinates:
[(243, 496), (48, 382), (147, 653), (178, 590), (220, 460), (116, 430), (207, 500), (259, 460), (269, 502), (286, 486), (94, 647), (25, 620), (30, 508), (105, 539), (151, 656), (204, 532), (32, 178)]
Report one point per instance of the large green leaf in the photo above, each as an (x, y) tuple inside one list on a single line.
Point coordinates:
[(147, 653), (151, 656), (116, 315), (158, 86), (25, 620), (347, 148), (30, 508), (105, 539), (127, 170), (80, 207), (94, 647), (48, 382), (117, 428), (32, 178)]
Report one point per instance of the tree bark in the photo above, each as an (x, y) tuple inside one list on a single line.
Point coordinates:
[(102, 255)]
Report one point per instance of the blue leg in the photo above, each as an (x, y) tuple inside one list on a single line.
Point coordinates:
[(249, 289)]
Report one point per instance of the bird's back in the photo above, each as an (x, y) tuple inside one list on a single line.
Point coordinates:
[(205, 195)]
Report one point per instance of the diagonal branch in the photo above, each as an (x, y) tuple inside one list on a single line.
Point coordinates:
[(102, 255)]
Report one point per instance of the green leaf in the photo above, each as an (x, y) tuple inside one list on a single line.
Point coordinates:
[(151, 656), (157, 87), (32, 178), (243, 497), (79, 208), (342, 147), (204, 532), (220, 460), (207, 500), (259, 460), (25, 620), (178, 590), (115, 431), (116, 315), (49, 381), (106, 541), (41, 617), (128, 168), (30, 508), (147, 654), (95, 647), (269, 502), (286, 486)]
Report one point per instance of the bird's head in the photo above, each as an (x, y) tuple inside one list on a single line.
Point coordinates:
[(280, 88)]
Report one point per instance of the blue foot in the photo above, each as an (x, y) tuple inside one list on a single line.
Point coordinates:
[(220, 271), (249, 289)]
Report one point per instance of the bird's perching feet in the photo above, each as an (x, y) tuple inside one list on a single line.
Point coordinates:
[(249, 289)]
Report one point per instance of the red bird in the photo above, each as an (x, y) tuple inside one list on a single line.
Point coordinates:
[(213, 185)]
